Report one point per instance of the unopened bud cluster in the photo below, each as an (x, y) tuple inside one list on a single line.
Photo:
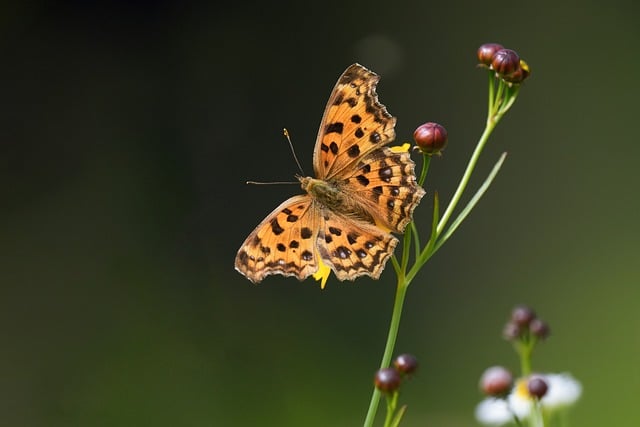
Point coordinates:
[(506, 63), (525, 324), (388, 380)]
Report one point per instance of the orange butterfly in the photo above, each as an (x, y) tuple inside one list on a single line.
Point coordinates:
[(362, 192)]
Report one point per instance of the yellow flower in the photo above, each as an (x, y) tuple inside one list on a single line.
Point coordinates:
[(323, 273), (400, 148)]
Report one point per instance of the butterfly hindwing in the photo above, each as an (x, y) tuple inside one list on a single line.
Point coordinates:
[(283, 243), (384, 183), (353, 248)]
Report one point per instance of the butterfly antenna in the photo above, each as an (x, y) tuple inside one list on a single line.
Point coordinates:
[(286, 134), (272, 182)]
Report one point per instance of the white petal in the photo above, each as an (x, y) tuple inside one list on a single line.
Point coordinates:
[(493, 412), (564, 390), (521, 405)]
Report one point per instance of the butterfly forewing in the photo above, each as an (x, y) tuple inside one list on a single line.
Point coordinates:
[(354, 123)]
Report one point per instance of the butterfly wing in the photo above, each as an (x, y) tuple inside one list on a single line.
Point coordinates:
[(354, 123), (353, 248), (283, 243), (385, 185)]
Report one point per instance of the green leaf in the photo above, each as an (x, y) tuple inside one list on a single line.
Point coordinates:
[(398, 417)]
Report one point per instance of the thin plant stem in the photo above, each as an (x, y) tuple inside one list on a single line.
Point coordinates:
[(426, 161), (388, 350), (392, 402)]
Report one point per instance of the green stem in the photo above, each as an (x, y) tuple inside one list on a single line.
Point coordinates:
[(524, 351), (392, 402), (492, 92), (491, 124), (401, 291), (426, 161)]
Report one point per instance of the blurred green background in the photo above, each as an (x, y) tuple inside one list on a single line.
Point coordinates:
[(128, 132)]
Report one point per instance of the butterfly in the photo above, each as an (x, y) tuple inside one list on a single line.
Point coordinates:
[(362, 191)]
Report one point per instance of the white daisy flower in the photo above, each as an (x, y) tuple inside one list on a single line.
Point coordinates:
[(563, 391)]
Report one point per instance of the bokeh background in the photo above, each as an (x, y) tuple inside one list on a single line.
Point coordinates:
[(128, 130)]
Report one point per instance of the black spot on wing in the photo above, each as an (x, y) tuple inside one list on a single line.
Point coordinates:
[(342, 252), (305, 233), (336, 127), (353, 151), (385, 173), (363, 180), (275, 227), (375, 137)]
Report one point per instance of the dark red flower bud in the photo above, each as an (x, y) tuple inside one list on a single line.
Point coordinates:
[(537, 387), (486, 52), (387, 380), (431, 138), (519, 75), (406, 364), (505, 62), (511, 331), (522, 315), (539, 328), (496, 381)]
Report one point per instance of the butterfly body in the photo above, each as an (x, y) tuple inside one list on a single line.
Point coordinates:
[(362, 191), (330, 196)]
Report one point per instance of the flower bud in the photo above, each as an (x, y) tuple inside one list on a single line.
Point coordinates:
[(406, 364), (505, 62), (522, 315), (539, 328), (387, 380), (496, 381), (537, 387), (511, 331), (431, 138), (486, 52), (519, 75)]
